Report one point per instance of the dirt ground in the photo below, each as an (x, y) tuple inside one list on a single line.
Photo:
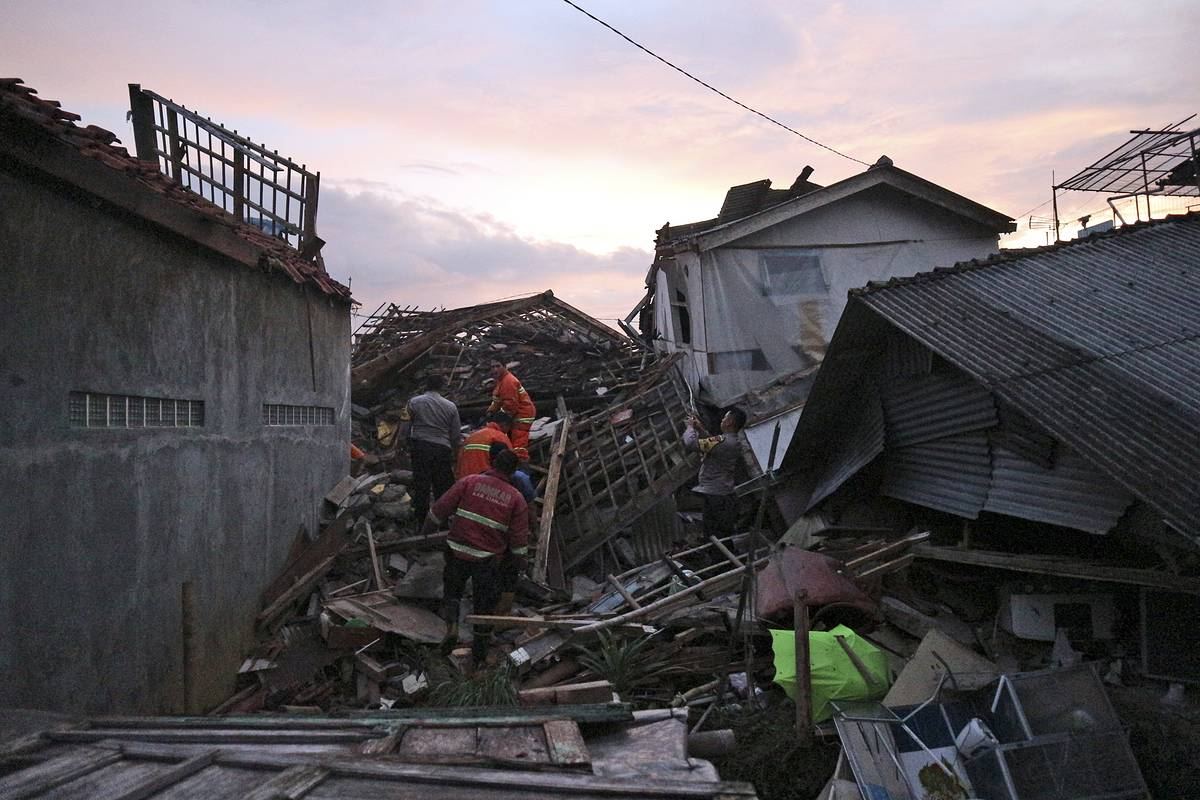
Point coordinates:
[(1165, 738), (768, 755)]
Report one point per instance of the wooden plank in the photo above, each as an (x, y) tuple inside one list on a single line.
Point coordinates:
[(291, 784), (534, 623), (725, 551), (625, 595), (270, 615), (520, 744), (895, 565), (54, 772), (333, 540), (421, 741), (1061, 567), (804, 720), (167, 778), (375, 560), (546, 520), (565, 744), (887, 550), (214, 736), (531, 784)]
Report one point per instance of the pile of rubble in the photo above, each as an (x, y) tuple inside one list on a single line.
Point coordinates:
[(871, 634)]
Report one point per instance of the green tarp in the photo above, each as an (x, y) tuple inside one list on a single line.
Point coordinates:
[(834, 676)]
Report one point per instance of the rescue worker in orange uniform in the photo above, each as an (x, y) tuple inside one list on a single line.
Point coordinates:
[(509, 396), (489, 526), (476, 454)]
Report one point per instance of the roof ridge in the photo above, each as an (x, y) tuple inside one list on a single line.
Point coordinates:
[(1017, 253)]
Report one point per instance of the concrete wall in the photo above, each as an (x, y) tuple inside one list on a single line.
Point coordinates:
[(99, 528)]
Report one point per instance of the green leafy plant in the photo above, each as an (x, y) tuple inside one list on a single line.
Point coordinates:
[(627, 664), (486, 687)]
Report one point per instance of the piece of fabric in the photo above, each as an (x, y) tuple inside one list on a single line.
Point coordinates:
[(488, 516), (433, 471), (475, 456), (833, 674), (719, 459), (432, 418)]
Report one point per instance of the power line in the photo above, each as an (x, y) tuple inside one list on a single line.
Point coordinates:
[(712, 88)]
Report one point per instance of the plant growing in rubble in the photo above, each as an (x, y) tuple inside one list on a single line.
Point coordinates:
[(486, 687), (627, 664)]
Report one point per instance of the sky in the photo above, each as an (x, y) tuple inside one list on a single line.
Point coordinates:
[(475, 151)]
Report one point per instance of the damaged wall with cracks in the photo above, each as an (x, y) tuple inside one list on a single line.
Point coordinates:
[(100, 527)]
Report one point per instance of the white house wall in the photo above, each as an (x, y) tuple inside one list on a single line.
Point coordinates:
[(754, 333)]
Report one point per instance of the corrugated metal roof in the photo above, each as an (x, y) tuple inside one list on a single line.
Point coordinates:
[(1097, 341), (858, 449), (934, 406), (951, 474), (1072, 494)]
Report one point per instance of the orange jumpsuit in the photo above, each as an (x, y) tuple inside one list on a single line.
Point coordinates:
[(510, 397), (475, 455)]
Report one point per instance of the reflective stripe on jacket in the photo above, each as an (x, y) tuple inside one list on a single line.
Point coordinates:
[(510, 396), (489, 516), (477, 448)]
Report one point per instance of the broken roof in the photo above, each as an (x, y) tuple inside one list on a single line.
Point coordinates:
[(89, 158), (1096, 341), (754, 206), (400, 339)]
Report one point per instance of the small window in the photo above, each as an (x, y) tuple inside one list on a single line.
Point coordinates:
[(792, 274), (278, 415), (683, 318), (738, 361), (94, 410)]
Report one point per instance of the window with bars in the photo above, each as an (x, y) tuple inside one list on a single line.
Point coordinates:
[(95, 410), (276, 414)]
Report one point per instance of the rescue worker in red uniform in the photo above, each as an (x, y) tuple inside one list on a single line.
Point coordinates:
[(509, 396), (489, 524), (476, 454)]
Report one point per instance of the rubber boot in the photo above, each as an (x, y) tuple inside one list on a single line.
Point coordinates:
[(450, 615), (504, 604), (479, 650)]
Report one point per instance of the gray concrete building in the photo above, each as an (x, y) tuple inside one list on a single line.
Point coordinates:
[(174, 402)]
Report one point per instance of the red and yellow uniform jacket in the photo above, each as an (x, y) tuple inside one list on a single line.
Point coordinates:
[(476, 450), (489, 517), (510, 396)]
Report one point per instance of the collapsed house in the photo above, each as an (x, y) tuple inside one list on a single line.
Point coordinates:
[(612, 410), (752, 296), (177, 404), (1056, 385)]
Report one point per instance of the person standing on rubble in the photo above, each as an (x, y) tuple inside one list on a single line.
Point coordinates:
[(719, 458), (489, 528), (476, 455), (509, 396), (432, 427)]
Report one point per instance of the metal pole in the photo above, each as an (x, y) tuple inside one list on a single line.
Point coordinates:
[(803, 675), (1054, 199)]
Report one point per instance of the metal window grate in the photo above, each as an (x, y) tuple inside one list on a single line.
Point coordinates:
[(276, 414), (95, 410)]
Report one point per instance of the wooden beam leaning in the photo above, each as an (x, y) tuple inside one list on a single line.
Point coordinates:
[(545, 527)]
